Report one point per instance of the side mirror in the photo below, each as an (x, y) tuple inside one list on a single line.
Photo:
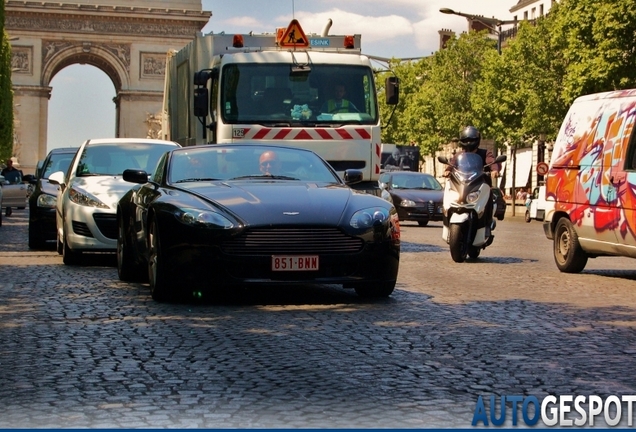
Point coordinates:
[(201, 102), (442, 159), (392, 86), (57, 178), (135, 176), (352, 176), (501, 158)]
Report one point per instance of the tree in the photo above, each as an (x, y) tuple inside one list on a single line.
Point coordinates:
[(6, 92)]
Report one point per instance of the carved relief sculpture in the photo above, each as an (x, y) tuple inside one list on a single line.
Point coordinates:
[(153, 65)]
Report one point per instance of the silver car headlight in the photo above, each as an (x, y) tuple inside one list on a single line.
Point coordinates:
[(81, 197), (366, 218), (46, 201), (407, 203), (207, 218), (472, 197)]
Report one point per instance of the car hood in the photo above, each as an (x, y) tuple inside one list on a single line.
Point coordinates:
[(263, 203), (108, 189), (419, 195)]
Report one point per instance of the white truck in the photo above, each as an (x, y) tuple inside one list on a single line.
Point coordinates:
[(275, 87)]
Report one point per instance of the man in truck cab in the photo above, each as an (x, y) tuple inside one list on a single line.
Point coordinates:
[(338, 104)]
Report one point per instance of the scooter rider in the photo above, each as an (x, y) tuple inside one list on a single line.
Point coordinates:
[(469, 140)]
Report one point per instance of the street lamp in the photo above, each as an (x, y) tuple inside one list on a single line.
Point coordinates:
[(490, 23)]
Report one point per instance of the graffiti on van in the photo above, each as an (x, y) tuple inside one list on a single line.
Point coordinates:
[(583, 167)]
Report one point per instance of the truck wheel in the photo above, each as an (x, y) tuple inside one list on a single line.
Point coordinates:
[(528, 219), (568, 254)]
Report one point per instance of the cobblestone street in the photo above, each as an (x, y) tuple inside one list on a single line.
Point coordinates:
[(81, 349)]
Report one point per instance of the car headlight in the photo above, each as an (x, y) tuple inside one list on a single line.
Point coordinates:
[(366, 218), (46, 201), (81, 197), (472, 197), (407, 203), (207, 218), (386, 196)]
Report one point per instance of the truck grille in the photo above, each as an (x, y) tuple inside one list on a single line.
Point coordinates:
[(272, 241)]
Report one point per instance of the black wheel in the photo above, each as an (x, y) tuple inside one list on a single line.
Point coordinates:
[(422, 223), (0, 218), (70, 257), (568, 254), (376, 289), (473, 252), (158, 273), (128, 268), (60, 247), (35, 241), (528, 219), (458, 249)]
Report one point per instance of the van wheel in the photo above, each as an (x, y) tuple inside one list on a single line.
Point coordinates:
[(528, 216), (568, 254)]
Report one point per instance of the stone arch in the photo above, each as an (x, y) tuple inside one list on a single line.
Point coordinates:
[(126, 39), (98, 56)]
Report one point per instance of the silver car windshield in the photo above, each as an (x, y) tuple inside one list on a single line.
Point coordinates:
[(113, 159)]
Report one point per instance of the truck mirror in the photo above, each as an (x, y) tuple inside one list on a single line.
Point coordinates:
[(392, 90), (201, 102)]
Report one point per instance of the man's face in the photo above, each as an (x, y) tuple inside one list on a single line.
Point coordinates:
[(269, 163), (9, 163), (340, 92)]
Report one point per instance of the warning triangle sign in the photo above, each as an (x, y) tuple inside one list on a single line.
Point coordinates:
[(294, 36)]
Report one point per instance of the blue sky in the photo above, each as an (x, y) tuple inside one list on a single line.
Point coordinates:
[(81, 104)]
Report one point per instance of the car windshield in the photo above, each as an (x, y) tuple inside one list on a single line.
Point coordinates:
[(57, 162), (406, 181), (217, 162), (114, 158)]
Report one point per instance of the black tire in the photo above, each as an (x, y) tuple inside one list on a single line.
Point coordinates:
[(128, 267), (473, 252), (59, 247), (422, 223), (568, 254), (527, 217), (456, 242), (158, 273), (35, 241), (0, 218), (376, 289), (70, 257)]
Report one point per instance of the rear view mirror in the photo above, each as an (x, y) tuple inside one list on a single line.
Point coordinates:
[(201, 102), (392, 86)]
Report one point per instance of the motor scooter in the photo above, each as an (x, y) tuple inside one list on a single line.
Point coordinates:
[(466, 197)]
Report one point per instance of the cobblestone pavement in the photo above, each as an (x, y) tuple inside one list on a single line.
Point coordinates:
[(79, 348)]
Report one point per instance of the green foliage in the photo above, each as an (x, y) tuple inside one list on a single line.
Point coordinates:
[(581, 47), (6, 92)]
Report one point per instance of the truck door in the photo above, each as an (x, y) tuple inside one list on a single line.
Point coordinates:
[(622, 182), (596, 215)]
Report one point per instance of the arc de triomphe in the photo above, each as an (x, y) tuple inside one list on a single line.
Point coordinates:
[(127, 40)]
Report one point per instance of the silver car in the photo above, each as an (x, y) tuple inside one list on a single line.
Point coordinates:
[(86, 208), (14, 190)]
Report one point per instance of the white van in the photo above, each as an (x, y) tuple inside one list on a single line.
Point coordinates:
[(591, 183)]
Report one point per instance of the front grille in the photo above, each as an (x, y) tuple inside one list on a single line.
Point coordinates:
[(273, 241), (107, 224), (80, 228)]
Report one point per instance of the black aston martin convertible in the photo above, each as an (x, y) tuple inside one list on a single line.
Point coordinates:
[(236, 214)]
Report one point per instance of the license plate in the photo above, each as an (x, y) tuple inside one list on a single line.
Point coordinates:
[(294, 262)]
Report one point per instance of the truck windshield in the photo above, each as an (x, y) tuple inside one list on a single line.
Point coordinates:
[(327, 94)]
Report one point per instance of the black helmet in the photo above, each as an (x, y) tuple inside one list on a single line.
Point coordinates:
[(469, 138)]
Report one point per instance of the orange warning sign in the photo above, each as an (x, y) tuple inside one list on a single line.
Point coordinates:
[(294, 36)]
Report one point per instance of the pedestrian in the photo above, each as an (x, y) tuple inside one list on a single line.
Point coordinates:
[(12, 175)]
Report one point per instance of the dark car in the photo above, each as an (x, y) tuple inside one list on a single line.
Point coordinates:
[(236, 214), (417, 196), (43, 197)]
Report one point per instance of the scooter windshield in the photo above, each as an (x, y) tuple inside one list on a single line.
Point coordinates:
[(469, 166)]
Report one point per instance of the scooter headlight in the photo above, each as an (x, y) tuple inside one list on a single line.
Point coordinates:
[(472, 197)]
